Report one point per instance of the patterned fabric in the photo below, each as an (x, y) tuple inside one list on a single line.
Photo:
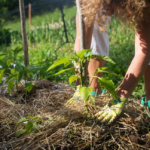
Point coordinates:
[(112, 110)]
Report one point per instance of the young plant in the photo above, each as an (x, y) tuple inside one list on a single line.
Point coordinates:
[(15, 72), (80, 60), (32, 124)]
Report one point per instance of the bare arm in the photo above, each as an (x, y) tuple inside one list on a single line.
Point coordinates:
[(139, 62)]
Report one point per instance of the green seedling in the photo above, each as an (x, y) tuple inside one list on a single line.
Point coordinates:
[(80, 60), (32, 124)]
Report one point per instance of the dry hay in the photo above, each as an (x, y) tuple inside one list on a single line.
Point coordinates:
[(70, 128)]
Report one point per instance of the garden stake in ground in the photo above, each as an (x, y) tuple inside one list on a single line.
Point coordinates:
[(82, 37)]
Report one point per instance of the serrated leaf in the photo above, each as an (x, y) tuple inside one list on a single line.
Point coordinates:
[(108, 85), (20, 132), (59, 62), (72, 78), (85, 92), (29, 126), (62, 71), (1, 75), (105, 70), (106, 58)]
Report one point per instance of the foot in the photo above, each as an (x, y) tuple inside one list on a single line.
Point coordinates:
[(112, 110)]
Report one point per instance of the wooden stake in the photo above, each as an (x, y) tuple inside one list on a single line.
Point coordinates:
[(82, 37), (82, 33), (23, 32), (29, 13)]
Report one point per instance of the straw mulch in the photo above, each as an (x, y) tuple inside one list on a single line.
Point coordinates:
[(69, 127)]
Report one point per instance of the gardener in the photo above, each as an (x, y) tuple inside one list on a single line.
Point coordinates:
[(99, 42), (135, 13)]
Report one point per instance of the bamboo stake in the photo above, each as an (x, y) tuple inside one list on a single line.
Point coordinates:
[(23, 32), (82, 36)]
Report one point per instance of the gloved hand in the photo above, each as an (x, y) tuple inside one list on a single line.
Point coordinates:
[(112, 110), (75, 97)]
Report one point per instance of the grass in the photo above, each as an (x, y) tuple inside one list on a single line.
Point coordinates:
[(47, 17)]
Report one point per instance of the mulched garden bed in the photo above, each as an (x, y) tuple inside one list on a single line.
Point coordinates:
[(66, 127)]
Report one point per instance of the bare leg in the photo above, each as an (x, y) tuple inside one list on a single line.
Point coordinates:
[(147, 83), (92, 67), (139, 63)]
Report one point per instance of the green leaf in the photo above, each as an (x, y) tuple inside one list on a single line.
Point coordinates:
[(73, 58), (21, 120), (62, 71), (88, 53), (10, 86), (29, 126), (73, 131), (105, 70), (17, 50), (1, 75), (26, 71), (59, 62), (66, 64), (2, 54), (72, 78), (20, 132), (85, 92), (13, 71), (80, 54), (50, 119), (30, 117), (35, 126), (38, 119), (9, 62), (12, 77), (106, 58), (29, 85), (108, 85)]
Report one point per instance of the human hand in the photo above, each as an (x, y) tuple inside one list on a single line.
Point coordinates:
[(75, 97), (111, 111)]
